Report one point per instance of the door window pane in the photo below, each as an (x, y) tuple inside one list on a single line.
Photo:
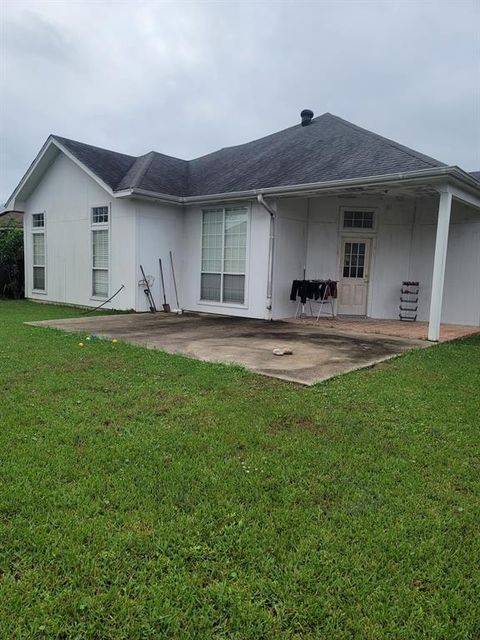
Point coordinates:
[(354, 260)]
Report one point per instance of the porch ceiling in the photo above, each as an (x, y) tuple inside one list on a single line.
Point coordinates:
[(412, 191)]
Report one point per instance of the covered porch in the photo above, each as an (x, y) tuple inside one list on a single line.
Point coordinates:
[(371, 241)]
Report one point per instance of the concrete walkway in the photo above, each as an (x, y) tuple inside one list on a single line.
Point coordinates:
[(318, 353)]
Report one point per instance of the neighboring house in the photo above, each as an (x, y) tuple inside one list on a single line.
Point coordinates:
[(325, 195), (8, 218)]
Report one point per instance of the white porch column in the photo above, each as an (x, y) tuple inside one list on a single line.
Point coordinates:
[(439, 261)]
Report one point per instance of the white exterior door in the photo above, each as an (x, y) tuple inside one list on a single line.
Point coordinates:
[(353, 285)]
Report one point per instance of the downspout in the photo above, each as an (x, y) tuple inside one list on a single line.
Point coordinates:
[(271, 251)]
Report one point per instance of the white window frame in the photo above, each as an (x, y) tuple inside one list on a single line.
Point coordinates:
[(220, 303), (40, 231), (99, 226), (348, 230), (38, 213)]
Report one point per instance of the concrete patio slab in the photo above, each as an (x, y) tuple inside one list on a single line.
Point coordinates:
[(319, 353), (410, 330)]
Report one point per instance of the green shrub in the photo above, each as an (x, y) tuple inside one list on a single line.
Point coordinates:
[(11, 261)]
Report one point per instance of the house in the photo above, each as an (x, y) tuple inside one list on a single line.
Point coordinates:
[(242, 223)]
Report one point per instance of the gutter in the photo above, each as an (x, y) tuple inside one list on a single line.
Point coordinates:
[(387, 180), (271, 251)]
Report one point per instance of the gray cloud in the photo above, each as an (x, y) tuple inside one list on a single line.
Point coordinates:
[(187, 78)]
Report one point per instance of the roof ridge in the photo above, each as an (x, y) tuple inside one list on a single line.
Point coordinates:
[(392, 143), (92, 146), (243, 144), (166, 155), (144, 163)]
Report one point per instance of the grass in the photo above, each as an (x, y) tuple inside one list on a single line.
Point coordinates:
[(145, 495)]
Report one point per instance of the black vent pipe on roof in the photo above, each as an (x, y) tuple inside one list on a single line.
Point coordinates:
[(306, 117)]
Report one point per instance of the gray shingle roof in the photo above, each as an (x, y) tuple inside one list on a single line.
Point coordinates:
[(328, 149), (157, 172), (475, 174), (109, 166)]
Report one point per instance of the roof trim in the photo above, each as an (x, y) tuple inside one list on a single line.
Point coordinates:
[(418, 155), (10, 203), (435, 174), (80, 164), (51, 141)]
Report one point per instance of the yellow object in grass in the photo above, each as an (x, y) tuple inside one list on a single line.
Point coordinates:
[(80, 344), (114, 340)]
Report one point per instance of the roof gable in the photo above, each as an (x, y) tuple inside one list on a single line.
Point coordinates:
[(109, 166)]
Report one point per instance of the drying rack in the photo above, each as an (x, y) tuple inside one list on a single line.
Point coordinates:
[(326, 298)]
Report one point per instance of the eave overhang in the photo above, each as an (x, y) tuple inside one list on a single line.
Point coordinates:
[(435, 178)]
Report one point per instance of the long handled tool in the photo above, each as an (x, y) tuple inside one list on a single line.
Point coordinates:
[(175, 284), (148, 292), (166, 306)]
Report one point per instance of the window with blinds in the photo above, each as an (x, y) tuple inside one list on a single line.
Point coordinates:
[(100, 263), (38, 261), (224, 255)]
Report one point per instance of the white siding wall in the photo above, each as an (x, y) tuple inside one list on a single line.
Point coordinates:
[(66, 194), (461, 299), (290, 253), (159, 229), (403, 248)]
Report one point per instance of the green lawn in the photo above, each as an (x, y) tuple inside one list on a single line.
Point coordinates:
[(145, 495)]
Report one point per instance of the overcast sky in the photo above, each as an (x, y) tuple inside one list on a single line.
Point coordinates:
[(186, 78)]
